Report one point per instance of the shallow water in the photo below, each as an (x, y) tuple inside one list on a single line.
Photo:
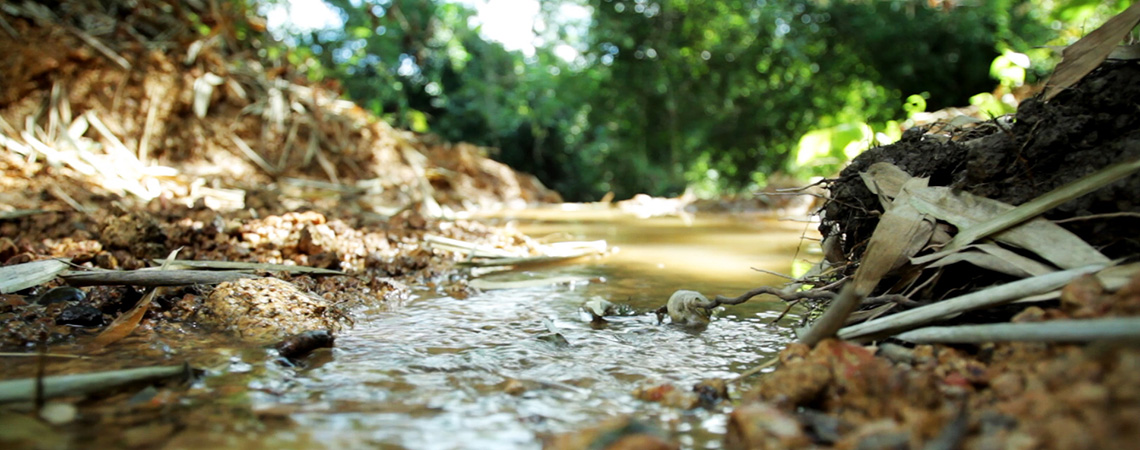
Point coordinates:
[(433, 373)]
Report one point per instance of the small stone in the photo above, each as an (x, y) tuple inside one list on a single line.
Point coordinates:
[(762, 425), (57, 413), (106, 260), (61, 294), (80, 316)]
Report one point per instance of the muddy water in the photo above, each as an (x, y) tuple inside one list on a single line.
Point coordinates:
[(435, 373)]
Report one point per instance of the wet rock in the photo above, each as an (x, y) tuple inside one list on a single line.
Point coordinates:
[(763, 426), (80, 316), (265, 310), (616, 434), (106, 260), (61, 294), (711, 391), (667, 395), (688, 308), (300, 345), (881, 435)]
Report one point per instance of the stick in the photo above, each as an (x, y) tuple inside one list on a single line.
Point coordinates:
[(1051, 331), (755, 370), (85, 383), (153, 278)]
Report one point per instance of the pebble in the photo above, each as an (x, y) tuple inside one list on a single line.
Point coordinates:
[(80, 316), (61, 294)]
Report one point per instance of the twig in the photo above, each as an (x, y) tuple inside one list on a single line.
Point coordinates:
[(252, 155), (8, 28), (48, 355), (849, 298), (755, 370), (60, 194), (804, 188), (785, 313), (813, 294), (106, 51), (1099, 216), (148, 126), (81, 384), (772, 272), (1051, 331), (116, 147), (153, 278)]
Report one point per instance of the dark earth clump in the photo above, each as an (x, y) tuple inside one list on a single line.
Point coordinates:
[(1048, 144)]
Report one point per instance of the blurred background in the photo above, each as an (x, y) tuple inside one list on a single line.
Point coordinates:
[(722, 97)]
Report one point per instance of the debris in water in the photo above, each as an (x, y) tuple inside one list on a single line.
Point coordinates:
[(301, 345)]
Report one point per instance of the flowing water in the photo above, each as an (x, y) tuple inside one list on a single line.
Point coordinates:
[(435, 373)]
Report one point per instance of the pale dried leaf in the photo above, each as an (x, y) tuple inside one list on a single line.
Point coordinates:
[(901, 233), (123, 325), (1090, 51), (996, 295), (985, 217), (997, 259), (18, 277)]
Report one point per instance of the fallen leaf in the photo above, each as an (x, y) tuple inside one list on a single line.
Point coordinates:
[(1090, 51)]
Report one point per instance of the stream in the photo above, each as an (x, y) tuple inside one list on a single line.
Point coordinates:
[(435, 374)]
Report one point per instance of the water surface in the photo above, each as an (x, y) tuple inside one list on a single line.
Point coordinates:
[(437, 373)]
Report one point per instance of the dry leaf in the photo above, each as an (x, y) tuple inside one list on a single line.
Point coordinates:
[(126, 323), (902, 231), (1090, 51)]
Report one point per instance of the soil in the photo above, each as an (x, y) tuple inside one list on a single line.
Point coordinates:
[(1084, 129), (140, 161), (1004, 395)]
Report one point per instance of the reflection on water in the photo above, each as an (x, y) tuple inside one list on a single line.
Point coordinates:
[(433, 374)]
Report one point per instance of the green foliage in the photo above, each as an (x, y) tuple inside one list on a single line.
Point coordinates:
[(669, 94)]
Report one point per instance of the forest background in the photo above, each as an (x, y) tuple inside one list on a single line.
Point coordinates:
[(641, 96)]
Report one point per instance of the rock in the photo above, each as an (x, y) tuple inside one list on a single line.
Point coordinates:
[(61, 294), (140, 233), (265, 310), (763, 426), (616, 434), (80, 316), (688, 308)]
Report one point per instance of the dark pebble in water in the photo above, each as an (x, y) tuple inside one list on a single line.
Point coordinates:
[(61, 294), (300, 345), (80, 316)]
